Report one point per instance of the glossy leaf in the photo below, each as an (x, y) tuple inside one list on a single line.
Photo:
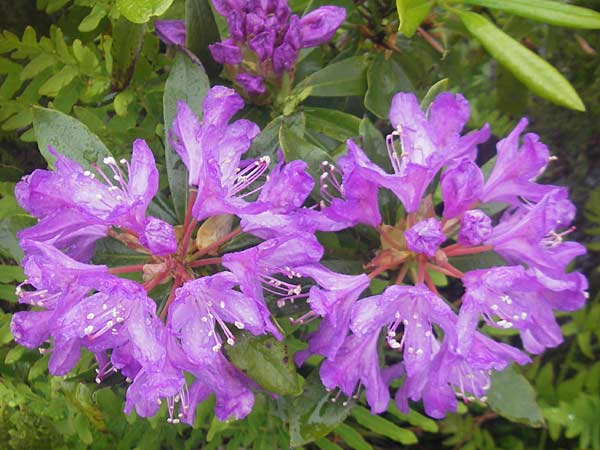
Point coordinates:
[(140, 11), (385, 78), (383, 426), (533, 71), (201, 30), (128, 38), (267, 361), (512, 396), (188, 82), (411, 13), (67, 136), (333, 123), (294, 146), (340, 79), (312, 415), (432, 93), (547, 11)]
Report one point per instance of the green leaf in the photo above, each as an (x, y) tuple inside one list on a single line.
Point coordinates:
[(91, 21), (294, 146), (333, 123), (111, 252), (188, 82), (552, 12), (9, 226), (57, 81), (37, 65), (325, 444), (14, 354), (383, 426), (385, 78), (340, 79), (477, 261), (373, 143), (266, 361), (512, 397), (11, 273), (67, 136), (353, 438), (433, 92), (127, 41), (140, 11), (312, 415), (39, 368), (529, 68), (411, 13), (201, 30), (414, 418)]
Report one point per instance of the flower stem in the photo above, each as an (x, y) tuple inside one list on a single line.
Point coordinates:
[(215, 245), (430, 284), (401, 274), (188, 223), (205, 262), (379, 270), (127, 269), (156, 281), (458, 251), (421, 273), (165, 309)]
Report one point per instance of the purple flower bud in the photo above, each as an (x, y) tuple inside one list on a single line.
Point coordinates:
[(425, 237), (318, 26), (475, 227), (251, 84), (254, 24), (226, 52), (284, 58), (171, 32), (262, 44), (158, 237), (461, 186)]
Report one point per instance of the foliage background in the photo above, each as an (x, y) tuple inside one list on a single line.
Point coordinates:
[(73, 71)]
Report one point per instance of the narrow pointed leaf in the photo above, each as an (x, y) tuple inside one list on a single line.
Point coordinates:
[(411, 13), (552, 12), (533, 71)]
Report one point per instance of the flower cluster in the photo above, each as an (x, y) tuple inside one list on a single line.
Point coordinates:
[(217, 296), (265, 39), (444, 353), (212, 297)]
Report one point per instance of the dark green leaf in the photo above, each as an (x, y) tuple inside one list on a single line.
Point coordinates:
[(294, 146), (432, 93), (373, 143), (383, 426), (325, 444), (512, 396), (140, 11), (340, 79), (414, 418), (9, 245), (128, 39), (312, 415), (482, 260), (411, 13), (113, 253), (553, 12), (533, 71), (266, 361), (67, 136), (188, 82), (201, 30), (385, 78), (333, 123)]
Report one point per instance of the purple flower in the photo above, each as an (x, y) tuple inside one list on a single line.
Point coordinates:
[(436, 383), (260, 267), (226, 52), (475, 227), (516, 168), (461, 187), (333, 299), (158, 237), (416, 309), (356, 362), (171, 32), (78, 206), (212, 152), (510, 296), (528, 234), (205, 304), (425, 237), (319, 26), (427, 143), (282, 197)]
